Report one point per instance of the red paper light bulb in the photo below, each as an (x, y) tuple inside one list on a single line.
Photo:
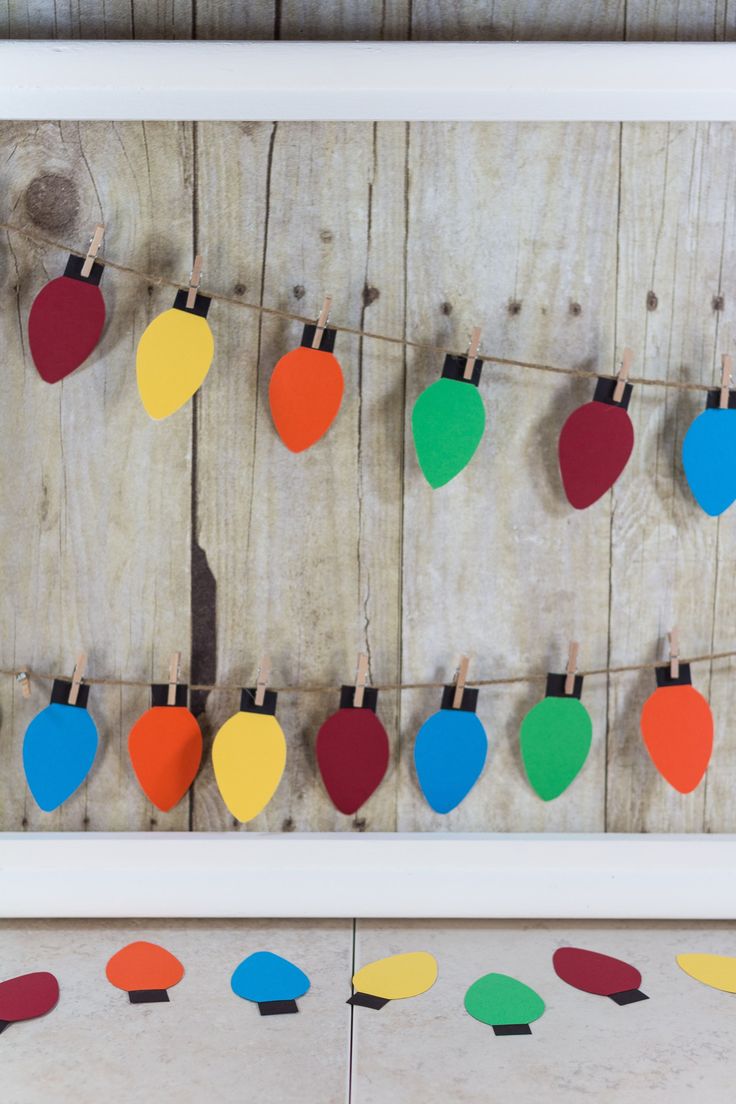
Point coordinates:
[(27, 997), (144, 971), (677, 728), (596, 441), (353, 749), (597, 973), (67, 316)]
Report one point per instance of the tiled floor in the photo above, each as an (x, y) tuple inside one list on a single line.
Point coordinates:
[(209, 1046)]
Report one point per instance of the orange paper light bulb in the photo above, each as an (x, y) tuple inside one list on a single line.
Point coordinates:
[(145, 971), (165, 747), (306, 390), (677, 728)]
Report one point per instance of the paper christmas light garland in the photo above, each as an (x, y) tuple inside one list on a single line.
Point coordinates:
[(271, 982), (556, 734), (165, 744), (393, 978), (145, 971), (249, 751), (600, 974), (505, 1004), (451, 746), (709, 449), (27, 997), (175, 351), (67, 316), (307, 386)]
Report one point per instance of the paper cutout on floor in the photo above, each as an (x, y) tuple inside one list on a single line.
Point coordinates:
[(555, 738), (595, 445), (599, 973), (393, 978), (677, 728), (352, 751), (59, 747), (249, 756), (145, 971), (717, 971), (505, 1004), (271, 982), (450, 751), (448, 422), (709, 455), (66, 321), (174, 356), (165, 747), (26, 997), (306, 391)]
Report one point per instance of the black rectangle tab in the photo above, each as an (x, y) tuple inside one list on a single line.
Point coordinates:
[(60, 693)]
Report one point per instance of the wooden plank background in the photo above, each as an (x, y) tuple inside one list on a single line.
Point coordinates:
[(203, 533)]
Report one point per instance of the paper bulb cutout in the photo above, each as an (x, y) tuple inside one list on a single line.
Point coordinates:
[(145, 971), (677, 727), (306, 391), (505, 1004), (249, 756), (393, 978), (450, 751), (555, 738), (709, 455), (272, 982), (448, 422), (597, 973), (66, 321), (174, 356), (59, 747), (27, 997), (165, 747), (717, 971), (352, 751), (595, 445)]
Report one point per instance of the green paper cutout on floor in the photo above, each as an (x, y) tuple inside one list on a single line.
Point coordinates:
[(505, 1004)]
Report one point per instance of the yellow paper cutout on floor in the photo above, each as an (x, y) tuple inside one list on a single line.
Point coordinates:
[(402, 975), (249, 756), (174, 356), (718, 971)]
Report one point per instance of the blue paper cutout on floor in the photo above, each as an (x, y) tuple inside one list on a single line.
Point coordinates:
[(709, 459), (58, 752), (449, 754), (265, 977)]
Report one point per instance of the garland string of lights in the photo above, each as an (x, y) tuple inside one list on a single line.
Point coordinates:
[(277, 312)]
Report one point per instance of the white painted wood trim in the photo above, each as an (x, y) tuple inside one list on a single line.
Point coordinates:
[(367, 80), (247, 874)]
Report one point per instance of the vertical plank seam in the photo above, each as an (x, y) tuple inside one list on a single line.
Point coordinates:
[(402, 493), (194, 505)]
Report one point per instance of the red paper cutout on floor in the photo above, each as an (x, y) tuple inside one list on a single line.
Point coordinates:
[(597, 973), (27, 996)]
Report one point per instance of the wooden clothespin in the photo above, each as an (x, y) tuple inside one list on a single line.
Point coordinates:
[(361, 677), (461, 675), (726, 372), (264, 671), (674, 638), (23, 680), (324, 314), (623, 375), (572, 666), (77, 676), (194, 281), (94, 249), (473, 348), (174, 671)]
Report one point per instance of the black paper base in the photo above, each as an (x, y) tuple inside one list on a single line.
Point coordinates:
[(367, 1000), (277, 1008), (148, 996), (454, 369), (604, 393), (74, 268), (248, 702), (160, 693), (60, 693), (201, 304), (628, 996), (469, 703), (370, 698), (327, 341), (683, 679), (511, 1029), (713, 402), (4, 1024), (556, 687)]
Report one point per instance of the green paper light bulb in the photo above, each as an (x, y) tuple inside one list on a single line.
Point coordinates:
[(449, 419), (555, 737), (505, 1004)]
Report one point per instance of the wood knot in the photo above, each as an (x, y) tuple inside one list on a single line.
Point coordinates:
[(446, 307), (298, 291), (325, 236), (652, 301), (52, 201), (514, 307), (239, 289), (370, 294), (719, 302), (576, 309)]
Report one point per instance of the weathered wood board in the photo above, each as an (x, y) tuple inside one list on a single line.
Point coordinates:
[(565, 242)]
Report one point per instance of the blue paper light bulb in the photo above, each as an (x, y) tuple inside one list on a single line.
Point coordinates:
[(709, 450), (450, 751), (59, 747), (271, 981)]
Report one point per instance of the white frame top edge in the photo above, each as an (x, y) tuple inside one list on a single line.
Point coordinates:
[(507, 81)]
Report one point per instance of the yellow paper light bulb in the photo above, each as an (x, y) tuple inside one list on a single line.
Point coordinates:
[(401, 975), (249, 756), (718, 971), (174, 356)]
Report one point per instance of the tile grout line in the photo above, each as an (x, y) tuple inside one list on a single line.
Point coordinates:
[(352, 1022)]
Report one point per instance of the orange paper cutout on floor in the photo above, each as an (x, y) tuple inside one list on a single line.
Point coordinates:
[(145, 971)]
